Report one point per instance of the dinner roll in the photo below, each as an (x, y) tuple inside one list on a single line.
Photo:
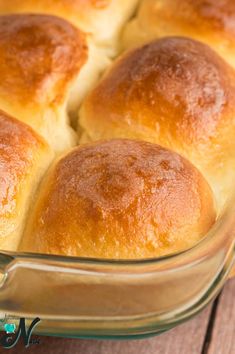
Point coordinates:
[(44, 62), (103, 19), (120, 199), (176, 92), (24, 157), (211, 22)]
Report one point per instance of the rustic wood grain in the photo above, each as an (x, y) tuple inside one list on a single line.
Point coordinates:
[(185, 339), (223, 335)]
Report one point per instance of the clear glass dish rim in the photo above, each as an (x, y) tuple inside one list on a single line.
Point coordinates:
[(219, 240)]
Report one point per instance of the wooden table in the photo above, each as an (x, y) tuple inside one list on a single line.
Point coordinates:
[(211, 332)]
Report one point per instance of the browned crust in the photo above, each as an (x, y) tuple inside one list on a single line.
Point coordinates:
[(20, 148), (175, 92), (39, 56), (120, 199)]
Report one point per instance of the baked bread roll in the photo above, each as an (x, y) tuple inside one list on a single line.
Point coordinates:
[(175, 92), (46, 66), (103, 19), (24, 158), (120, 199), (211, 22)]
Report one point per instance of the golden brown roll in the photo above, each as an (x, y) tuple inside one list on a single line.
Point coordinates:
[(24, 157), (103, 19), (120, 199), (176, 92), (211, 22), (44, 62)]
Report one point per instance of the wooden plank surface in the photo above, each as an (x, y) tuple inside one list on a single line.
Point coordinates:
[(223, 336), (211, 332)]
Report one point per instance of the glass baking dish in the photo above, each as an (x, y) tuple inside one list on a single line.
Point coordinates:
[(93, 298)]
